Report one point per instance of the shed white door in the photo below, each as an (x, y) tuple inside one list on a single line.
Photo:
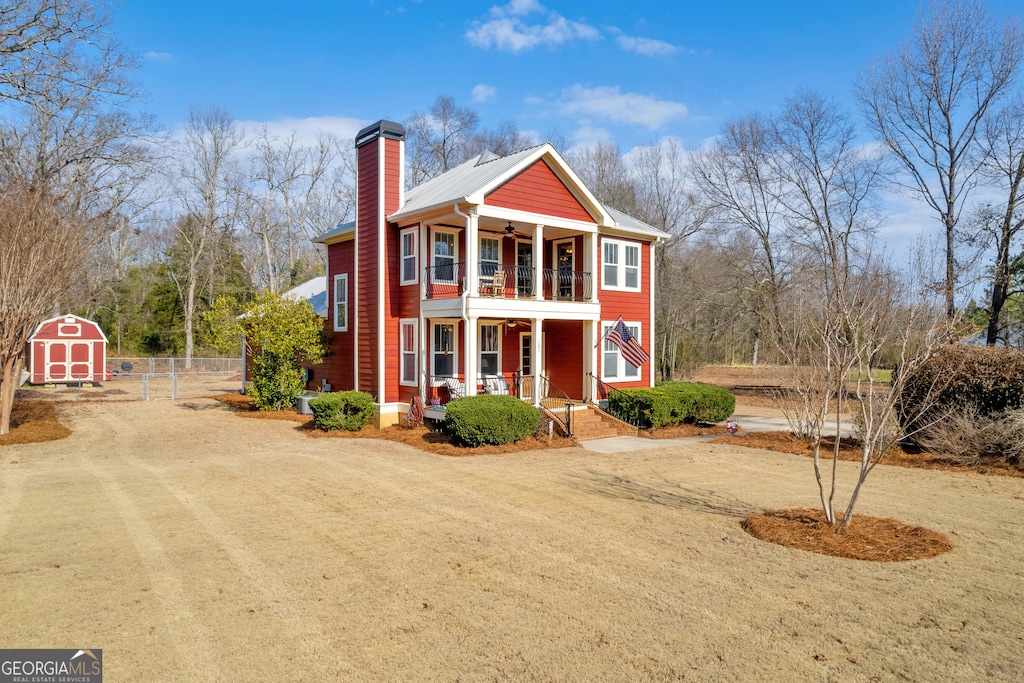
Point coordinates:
[(68, 360)]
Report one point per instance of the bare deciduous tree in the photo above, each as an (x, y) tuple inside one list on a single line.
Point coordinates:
[(929, 100), (42, 241), (206, 157), (437, 140), (1002, 223)]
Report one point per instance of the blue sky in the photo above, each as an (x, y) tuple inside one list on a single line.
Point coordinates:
[(625, 72), (595, 70)]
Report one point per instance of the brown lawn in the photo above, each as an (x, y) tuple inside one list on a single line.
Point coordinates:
[(193, 545)]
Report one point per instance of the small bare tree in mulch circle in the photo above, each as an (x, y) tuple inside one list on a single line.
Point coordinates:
[(844, 310)]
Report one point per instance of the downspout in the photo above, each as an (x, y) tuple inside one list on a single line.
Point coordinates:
[(465, 309)]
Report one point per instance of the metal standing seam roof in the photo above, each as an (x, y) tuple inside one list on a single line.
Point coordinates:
[(341, 229)]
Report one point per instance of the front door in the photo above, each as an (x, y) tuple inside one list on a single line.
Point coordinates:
[(526, 366), (524, 269)]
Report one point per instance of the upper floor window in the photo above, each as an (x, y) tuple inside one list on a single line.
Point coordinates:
[(490, 255), (341, 303), (621, 265), (445, 252), (409, 261)]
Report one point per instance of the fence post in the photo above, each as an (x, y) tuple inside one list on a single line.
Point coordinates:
[(172, 367), (151, 365), (174, 385), (145, 386)]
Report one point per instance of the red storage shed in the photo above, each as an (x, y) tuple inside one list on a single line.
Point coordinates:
[(66, 349)]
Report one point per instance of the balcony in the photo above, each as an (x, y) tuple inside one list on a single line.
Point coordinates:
[(509, 282)]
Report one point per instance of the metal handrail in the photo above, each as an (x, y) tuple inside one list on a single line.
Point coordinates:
[(603, 390), (445, 281), (567, 285), (557, 403)]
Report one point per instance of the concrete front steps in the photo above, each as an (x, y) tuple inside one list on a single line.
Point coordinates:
[(589, 424)]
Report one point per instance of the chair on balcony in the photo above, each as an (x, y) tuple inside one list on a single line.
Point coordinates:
[(496, 285)]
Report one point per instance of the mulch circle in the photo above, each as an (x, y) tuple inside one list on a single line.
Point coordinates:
[(874, 539)]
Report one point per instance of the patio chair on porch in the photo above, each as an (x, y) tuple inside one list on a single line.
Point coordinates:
[(496, 286), (496, 385), (456, 389)]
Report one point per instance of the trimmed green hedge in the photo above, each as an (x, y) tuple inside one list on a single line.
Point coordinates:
[(987, 380), (672, 403), (490, 419), (349, 410)]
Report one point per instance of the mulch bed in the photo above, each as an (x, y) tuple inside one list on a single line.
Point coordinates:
[(849, 449), (34, 422), (875, 539), (418, 437)]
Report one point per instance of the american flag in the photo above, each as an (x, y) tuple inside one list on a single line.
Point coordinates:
[(629, 347)]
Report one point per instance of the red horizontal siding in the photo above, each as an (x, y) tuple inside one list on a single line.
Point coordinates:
[(539, 190), (634, 307), (563, 351), (366, 292)]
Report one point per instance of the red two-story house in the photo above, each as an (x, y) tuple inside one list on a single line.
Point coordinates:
[(501, 275)]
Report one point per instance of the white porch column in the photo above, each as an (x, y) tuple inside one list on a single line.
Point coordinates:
[(473, 252), (591, 260), (590, 337), (424, 356), (538, 263), (536, 353), (471, 356)]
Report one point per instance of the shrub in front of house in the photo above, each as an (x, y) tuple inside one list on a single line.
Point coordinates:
[(700, 402), (348, 410), (643, 407), (489, 419), (988, 380), (671, 403)]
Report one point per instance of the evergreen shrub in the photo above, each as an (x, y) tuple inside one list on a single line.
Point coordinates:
[(489, 419), (348, 410)]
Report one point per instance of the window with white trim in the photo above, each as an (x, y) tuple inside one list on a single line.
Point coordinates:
[(614, 368), (407, 334), (408, 239), (490, 256), (620, 265), (490, 345), (341, 303), (444, 350), (445, 251)]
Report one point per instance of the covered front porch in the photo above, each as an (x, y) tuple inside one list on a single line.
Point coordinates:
[(544, 362)]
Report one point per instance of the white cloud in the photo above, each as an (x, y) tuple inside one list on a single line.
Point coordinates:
[(484, 93), (609, 103), (510, 29), (307, 128), (648, 47), (159, 57)]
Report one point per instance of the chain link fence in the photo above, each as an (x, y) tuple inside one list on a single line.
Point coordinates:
[(152, 379)]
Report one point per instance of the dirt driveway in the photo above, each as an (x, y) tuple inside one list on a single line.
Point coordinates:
[(191, 545)]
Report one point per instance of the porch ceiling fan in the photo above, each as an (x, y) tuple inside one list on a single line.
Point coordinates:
[(510, 231)]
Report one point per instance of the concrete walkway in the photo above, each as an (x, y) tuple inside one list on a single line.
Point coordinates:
[(748, 423)]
